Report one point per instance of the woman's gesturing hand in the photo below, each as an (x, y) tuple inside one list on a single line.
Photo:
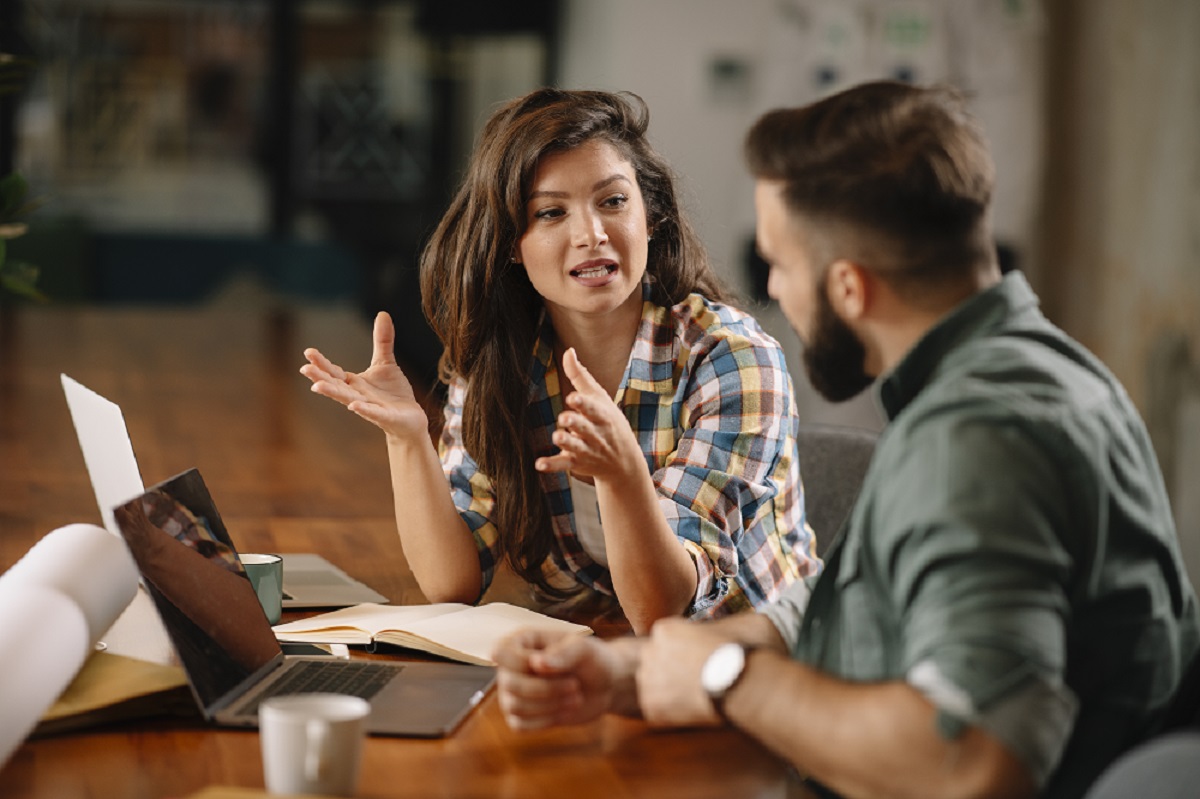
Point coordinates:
[(382, 394), (593, 434)]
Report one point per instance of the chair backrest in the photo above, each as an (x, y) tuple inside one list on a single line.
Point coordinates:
[(833, 462), (1164, 767), (1167, 765)]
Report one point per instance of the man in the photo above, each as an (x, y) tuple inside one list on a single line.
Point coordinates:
[(1006, 609)]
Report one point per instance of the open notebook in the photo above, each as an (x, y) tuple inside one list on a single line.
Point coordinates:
[(469, 633), (309, 580)]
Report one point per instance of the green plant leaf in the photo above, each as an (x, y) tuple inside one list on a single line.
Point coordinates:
[(21, 278), (13, 189)]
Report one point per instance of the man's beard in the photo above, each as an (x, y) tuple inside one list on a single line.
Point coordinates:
[(833, 355)]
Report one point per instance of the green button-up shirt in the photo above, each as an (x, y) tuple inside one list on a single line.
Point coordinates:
[(1012, 553)]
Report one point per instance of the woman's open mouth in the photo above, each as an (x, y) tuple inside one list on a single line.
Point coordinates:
[(594, 273)]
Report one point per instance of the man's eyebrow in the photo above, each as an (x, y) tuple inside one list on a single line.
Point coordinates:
[(597, 186)]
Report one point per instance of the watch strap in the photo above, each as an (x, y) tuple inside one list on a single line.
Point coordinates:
[(718, 697)]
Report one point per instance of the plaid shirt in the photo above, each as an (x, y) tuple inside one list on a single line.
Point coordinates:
[(709, 398)]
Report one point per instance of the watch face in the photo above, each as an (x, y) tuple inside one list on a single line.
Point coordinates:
[(722, 669)]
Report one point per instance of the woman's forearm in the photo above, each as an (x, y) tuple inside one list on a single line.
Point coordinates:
[(653, 575), (437, 543)]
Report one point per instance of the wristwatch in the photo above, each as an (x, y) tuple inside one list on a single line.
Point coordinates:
[(722, 670)]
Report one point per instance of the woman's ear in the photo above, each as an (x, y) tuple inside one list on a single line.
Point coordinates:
[(849, 286)]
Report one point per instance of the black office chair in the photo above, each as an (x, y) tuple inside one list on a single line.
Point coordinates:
[(833, 462)]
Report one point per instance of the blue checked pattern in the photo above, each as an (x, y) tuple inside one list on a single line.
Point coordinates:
[(708, 395)]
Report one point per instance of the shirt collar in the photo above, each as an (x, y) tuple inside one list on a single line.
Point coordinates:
[(976, 316)]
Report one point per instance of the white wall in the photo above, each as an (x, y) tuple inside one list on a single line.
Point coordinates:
[(663, 51), (788, 52)]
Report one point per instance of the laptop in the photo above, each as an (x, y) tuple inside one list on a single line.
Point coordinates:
[(309, 580), (226, 646)]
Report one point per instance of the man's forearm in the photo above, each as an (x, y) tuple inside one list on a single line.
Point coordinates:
[(867, 739)]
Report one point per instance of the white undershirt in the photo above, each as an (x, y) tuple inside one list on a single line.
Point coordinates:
[(587, 520)]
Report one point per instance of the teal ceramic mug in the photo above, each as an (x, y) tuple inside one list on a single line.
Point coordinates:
[(266, 575)]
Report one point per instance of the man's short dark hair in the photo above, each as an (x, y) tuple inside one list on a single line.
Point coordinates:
[(905, 166)]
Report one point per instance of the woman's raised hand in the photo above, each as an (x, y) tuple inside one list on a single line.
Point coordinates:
[(593, 434), (382, 394)]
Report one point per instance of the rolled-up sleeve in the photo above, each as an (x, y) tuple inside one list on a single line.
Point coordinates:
[(731, 490), (982, 586), (787, 612)]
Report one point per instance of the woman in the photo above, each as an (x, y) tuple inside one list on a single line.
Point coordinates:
[(564, 275)]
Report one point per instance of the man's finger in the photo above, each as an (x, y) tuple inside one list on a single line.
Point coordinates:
[(562, 655), (514, 650)]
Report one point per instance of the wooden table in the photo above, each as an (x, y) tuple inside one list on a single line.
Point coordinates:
[(217, 388)]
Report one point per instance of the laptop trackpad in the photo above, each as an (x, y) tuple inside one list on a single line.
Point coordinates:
[(429, 699)]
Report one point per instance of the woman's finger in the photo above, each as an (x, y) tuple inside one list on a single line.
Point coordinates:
[(563, 462), (314, 372), (577, 425), (317, 359), (383, 337), (578, 374)]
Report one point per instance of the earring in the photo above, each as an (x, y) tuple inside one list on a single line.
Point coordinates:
[(514, 259)]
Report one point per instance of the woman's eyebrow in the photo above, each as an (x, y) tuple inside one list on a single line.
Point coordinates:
[(600, 184), (609, 180)]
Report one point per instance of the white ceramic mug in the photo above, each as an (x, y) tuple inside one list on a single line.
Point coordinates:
[(312, 743)]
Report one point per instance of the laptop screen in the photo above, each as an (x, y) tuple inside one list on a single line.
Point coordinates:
[(192, 572)]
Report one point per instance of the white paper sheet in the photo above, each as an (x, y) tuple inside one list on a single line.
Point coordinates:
[(107, 450)]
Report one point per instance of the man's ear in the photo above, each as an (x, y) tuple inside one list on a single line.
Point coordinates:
[(849, 286)]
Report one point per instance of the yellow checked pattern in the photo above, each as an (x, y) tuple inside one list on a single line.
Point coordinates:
[(709, 398)]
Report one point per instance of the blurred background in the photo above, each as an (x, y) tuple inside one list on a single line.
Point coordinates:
[(300, 151)]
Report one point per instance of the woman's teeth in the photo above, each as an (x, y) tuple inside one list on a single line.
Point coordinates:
[(593, 271)]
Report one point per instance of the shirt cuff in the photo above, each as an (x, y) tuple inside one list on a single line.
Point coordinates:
[(787, 612), (1033, 720), (710, 585)]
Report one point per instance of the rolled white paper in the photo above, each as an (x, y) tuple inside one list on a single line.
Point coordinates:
[(88, 564), (55, 603), (43, 644)]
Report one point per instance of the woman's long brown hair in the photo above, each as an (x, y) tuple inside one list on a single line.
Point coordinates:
[(485, 311)]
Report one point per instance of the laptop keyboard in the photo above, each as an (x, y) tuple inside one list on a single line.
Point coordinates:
[(355, 678)]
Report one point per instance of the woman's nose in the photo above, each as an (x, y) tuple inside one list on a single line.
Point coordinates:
[(589, 231)]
